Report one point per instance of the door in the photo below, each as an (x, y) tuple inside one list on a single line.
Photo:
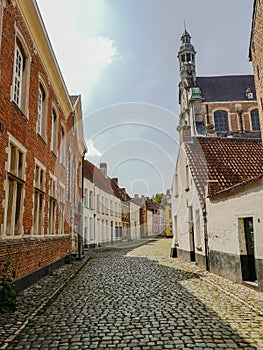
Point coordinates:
[(248, 264)]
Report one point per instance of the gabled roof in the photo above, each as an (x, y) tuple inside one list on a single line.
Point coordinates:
[(219, 164), (105, 183), (150, 205), (226, 88), (92, 173)]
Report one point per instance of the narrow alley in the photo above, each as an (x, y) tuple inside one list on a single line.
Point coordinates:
[(135, 296)]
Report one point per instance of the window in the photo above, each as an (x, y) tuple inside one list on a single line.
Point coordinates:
[(39, 197), (54, 132), (52, 206), (254, 120), (68, 176), (16, 172), (98, 204), (63, 146), (90, 199), (74, 181), (106, 207), (41, 111), (21, 75), (61, 210), (221, 121), (86, 196)]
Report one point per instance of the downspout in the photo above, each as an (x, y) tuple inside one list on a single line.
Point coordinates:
[(206, 237)]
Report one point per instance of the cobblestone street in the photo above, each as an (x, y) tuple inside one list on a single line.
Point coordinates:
[(137, 297)]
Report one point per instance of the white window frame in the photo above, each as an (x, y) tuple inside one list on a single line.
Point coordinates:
[(18, 178), (39, 190), (21, 75)]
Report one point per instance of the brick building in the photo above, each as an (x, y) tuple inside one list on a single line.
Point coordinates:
[(215, 105), (41, 145), (255, 53)]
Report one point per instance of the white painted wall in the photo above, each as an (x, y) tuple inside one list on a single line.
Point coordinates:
[(183, 196), (105, 210), (224, 212), (134, 221)]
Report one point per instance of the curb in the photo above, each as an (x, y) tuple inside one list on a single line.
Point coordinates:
[(45, 303)]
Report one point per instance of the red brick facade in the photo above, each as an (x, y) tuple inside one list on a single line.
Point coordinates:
[(237, 122), (61, 190)]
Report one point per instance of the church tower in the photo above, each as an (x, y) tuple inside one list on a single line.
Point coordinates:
[(186, 56), (189, 94)]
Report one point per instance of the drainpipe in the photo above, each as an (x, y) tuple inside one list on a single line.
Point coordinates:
[(206, 237)]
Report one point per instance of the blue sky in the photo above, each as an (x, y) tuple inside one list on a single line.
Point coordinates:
[(121, 56)]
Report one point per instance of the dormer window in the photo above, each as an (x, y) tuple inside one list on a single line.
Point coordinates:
[(249, 94)]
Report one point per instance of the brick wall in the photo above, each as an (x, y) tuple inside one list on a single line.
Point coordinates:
[(231, 108), (28, 252), (28, 256), (257, 56)]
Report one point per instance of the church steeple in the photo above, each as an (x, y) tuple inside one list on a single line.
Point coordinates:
[(186, 56)]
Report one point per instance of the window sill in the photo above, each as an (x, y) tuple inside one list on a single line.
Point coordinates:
[(42, 138), (21, 112)]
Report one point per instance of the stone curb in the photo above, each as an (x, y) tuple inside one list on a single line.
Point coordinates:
[(49, 299)]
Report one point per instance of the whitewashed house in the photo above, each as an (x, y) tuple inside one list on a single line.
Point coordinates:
[(134, 221), (102, 219), (217, 206)]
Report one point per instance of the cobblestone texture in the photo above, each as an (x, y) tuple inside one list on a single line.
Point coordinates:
[(137, 297)]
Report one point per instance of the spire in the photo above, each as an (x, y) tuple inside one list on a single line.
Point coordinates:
[(186, 56)]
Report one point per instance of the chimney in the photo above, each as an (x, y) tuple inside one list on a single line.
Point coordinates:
[(168, 192), (115, 179), (103, 168), (136, 196)]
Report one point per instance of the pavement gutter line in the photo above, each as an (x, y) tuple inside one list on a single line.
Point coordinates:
[(41, 307)]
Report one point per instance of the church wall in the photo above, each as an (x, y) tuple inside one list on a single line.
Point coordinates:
[(231, 108)]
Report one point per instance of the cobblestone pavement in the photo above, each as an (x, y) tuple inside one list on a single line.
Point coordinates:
[(137, 297)]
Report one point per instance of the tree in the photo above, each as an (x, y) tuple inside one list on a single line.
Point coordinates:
[(158, 199)]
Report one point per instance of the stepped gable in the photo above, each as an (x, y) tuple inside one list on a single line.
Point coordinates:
[(220, 164)]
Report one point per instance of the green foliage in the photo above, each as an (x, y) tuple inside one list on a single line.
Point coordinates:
[(158, 199), (8, 297)]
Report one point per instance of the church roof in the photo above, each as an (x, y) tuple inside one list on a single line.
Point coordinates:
[(226, 88), (220, 164)]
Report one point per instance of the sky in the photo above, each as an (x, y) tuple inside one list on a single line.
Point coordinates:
[(121, 56)]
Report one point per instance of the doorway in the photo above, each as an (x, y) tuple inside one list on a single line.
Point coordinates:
[(248, 260)]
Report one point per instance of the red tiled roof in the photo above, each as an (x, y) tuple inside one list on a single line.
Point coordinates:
[(219, 164), (92, 173)]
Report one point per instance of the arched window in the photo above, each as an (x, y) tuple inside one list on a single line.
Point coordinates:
[(221, 121), (41, 111), (20, 87), (254, 120), (54, 132)]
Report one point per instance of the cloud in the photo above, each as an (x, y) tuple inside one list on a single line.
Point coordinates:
[(92, 150)]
